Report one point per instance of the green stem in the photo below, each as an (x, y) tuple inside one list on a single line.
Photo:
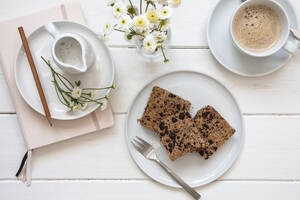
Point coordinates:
[(132, 7), (91, 100), (147, 5), (60, 98), (119, 30), (163, 52), (141, 6), (98, 88)]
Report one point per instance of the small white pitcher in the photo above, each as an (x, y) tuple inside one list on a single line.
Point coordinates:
[(71, 52)]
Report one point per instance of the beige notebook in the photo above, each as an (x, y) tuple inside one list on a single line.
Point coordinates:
[(34, 127)]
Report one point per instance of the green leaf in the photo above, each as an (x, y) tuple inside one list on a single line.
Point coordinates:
[(77, 83)]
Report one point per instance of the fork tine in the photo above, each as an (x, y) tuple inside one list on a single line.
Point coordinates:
[(137, 147), (139, 142), (143, 141)]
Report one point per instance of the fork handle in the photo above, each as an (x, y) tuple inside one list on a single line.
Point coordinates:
[(185, 186)]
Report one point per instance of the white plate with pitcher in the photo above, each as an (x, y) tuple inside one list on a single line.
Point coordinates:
[(95, 68), (229, 48)]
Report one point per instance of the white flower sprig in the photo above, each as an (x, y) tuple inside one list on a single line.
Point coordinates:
[(149, 25), (74, 97)]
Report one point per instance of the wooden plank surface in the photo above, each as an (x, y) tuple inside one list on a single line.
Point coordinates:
[(147, 190), (271, 152), (276, 93), (86, 167)]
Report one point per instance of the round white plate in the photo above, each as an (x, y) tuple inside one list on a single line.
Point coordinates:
[(221, 45), (200, 90), (101, 74)]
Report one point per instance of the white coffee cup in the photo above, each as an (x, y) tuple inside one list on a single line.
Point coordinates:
[(282, 43)]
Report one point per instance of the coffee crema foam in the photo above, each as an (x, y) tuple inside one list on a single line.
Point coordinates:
[(257, 28)]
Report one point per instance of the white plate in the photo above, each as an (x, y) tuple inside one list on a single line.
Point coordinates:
[(40, 41), (220, 42), (200, 90)]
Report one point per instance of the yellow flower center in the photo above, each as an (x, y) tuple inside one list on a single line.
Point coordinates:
[(148, 44), (123, 21), (140, 23), (118, 10), (152, 16)]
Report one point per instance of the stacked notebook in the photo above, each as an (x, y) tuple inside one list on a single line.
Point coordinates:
[(35, 128)]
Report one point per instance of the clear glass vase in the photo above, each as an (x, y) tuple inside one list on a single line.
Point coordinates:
[(156, 56)]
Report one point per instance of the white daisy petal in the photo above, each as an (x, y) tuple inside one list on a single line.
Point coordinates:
[(165, 12), (124, 22), (174, 3), (76, 93), (149, 44), (119, 9), (140, 23)]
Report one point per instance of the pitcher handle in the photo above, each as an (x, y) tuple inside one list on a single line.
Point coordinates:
[(52, 29)]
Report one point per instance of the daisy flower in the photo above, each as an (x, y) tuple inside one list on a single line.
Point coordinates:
[(107, 29), (83, 106), (119, 9), (165, 12), (174, 3), (76, 93), (140, 23), (159, 36), (75, 108), (152, 16), (124, 22), (149, 44)]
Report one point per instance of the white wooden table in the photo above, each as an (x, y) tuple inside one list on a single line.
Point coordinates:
[(98, 166)]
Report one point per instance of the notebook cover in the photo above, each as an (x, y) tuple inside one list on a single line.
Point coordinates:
[(34, 127)]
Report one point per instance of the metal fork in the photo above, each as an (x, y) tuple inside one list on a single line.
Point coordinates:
[(148, 152)]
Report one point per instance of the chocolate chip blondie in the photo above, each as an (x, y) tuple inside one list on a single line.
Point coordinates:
[(162, 103), (212, 126), (179, 136)]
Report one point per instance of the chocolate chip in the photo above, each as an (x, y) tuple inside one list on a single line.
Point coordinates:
[(172, 135), (205, 114), (181, 116), (215, 148), (188, 115), (206, 126), (161, 114), (178, 106), (172, 95), (167, 140), (162, 126), (201, 152), (174, 120), (178, 137), (210, 142), (162, 134)]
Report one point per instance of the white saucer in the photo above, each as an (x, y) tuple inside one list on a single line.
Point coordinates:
[(200, 90), (220, 42), (101, 74)]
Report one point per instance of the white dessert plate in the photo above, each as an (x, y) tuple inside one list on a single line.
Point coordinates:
[(200, 90), (101, 74), (221, 45)]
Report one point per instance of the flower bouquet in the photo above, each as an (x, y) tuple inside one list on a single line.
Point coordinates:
[(147, 25)]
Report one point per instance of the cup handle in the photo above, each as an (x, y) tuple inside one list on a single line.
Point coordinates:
[(290, 47), (52, 29)]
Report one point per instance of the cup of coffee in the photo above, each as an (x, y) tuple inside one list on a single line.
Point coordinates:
[(261, 28)]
